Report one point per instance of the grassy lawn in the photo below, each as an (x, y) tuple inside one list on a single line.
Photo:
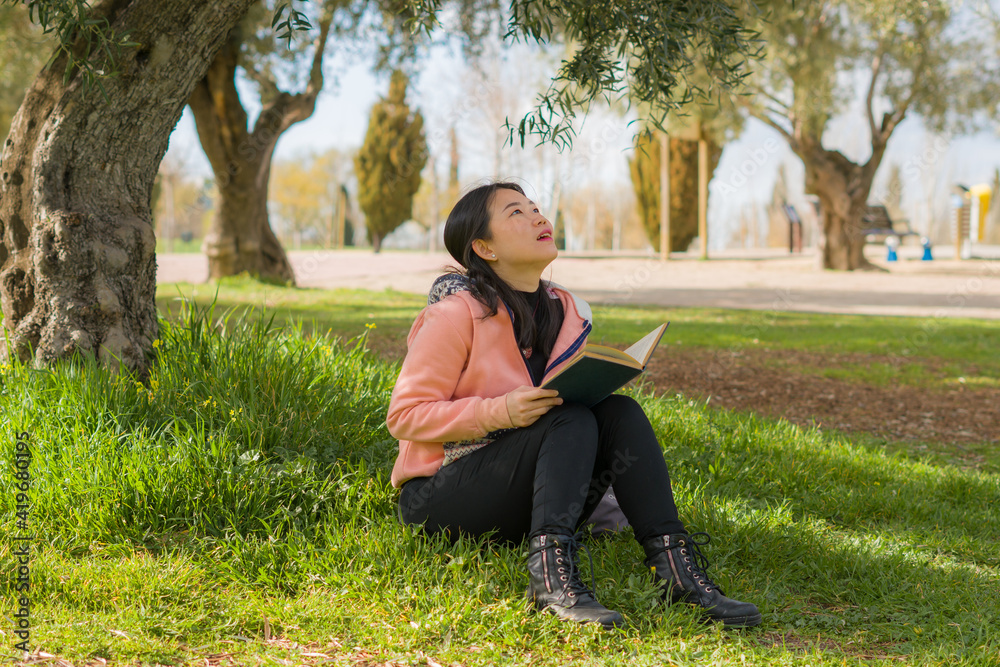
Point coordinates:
[(340, 313), (919, 351), (236, 510), (912, 350)]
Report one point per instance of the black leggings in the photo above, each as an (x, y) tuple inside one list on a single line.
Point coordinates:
[(549, 477)]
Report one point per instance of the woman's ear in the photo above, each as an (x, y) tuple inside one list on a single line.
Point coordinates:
[(480, 248)]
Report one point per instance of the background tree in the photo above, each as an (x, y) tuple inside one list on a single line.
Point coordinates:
[(605, 217), (181, 204), (335, 168), (306, 195), (78, 265), (241, 238), (715, 120), (389, 163), (79, 168), (297, 201), (644, 167), (916, 57), (23, 51), (892, 196)]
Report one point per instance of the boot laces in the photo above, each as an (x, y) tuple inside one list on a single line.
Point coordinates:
[(697, 563), (569, 573), (575, 583)]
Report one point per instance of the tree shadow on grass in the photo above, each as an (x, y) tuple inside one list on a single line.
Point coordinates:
[(837, 540)]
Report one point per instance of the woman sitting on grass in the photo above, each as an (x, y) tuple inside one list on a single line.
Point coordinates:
[(483, 449)]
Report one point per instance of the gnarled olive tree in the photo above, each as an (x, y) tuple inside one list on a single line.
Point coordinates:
[(77, 262)]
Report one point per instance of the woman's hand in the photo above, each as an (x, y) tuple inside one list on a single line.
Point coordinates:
[(526, 404)]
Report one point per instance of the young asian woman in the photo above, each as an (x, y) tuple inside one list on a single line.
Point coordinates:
[(484, 449)]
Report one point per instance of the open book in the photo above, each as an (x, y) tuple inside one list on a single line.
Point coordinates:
[(597, 371)]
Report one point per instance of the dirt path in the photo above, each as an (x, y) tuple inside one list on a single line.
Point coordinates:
[(758, 381), (762, 280)]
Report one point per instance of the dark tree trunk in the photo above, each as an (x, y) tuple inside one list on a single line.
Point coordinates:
[(843, 188), (241, 238), (644, 170), (78, 262), (684, 182)]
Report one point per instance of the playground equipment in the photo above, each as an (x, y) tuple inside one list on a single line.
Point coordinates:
[(926, 243), (892, 242), (968, 219)]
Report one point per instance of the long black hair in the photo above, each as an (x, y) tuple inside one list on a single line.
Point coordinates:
[(470, 220)]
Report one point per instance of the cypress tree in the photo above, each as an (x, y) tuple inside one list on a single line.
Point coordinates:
[(683, 174), (389, 163)]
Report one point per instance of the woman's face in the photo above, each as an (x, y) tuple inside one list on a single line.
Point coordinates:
[(522, 237)]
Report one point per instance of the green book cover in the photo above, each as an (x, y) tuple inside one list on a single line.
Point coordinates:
[(597, 371)]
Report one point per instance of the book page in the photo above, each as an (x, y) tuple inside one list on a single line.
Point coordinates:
[(643, 348), (605, 352)]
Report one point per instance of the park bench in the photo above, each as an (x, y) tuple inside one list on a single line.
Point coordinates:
[(794, 227), (878, 225)]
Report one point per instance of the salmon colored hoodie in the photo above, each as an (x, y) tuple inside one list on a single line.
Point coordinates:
[(458, 369)]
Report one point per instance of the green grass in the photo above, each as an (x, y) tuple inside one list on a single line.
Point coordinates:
[(911, 350), (179, 246), (917, 351), (238, 504), (337, 312)]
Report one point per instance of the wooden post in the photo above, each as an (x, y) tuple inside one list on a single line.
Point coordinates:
[(435, 208), (664, 196), (703, 193), (169, 223), (341, 216), (961, 233)]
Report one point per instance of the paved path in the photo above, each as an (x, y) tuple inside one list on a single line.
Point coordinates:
[(764, 280)]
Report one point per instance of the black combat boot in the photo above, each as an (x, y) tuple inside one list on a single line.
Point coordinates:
[(679, 568), (555, 584)]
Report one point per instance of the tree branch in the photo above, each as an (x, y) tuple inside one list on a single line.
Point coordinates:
[(870, 98), (219, 116), (268, 86), (286, 109), (316, 72), (814, 29), (891, 119), (207, 124), (757, 113), (761, 91), (897, 115)]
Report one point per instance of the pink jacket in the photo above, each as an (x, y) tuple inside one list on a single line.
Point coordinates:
[(457, 371)]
